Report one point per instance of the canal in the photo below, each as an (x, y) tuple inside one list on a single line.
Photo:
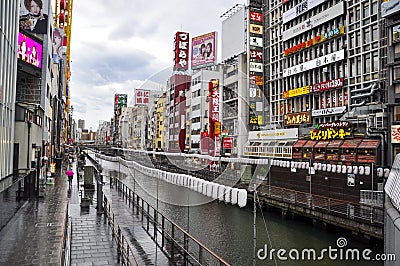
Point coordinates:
[(228, 230)]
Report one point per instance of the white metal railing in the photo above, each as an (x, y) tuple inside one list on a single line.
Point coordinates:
[(269, 151)]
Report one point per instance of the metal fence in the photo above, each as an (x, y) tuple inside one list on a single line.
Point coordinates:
[(363, 213), (180, 247)]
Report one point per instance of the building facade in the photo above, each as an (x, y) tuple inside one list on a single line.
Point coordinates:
[(9, 12)]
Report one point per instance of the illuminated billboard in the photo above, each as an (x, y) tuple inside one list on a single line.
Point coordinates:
[(33, 16), (204, 49), (29, 50)]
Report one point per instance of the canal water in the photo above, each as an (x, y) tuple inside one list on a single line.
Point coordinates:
[(228, 230)]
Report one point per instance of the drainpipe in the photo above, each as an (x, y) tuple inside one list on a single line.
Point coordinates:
[(363, 89), (358, 104), (374, 88), (373, 134)]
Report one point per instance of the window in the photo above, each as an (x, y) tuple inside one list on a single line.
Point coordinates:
[(366, 10), (366, 36), (396, 73), (367, 63), (375, 65), (397, 113)]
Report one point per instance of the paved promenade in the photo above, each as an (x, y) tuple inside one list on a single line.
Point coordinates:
[(35, 234)]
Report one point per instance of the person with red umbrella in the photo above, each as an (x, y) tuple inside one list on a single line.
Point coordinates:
[(70, 175)]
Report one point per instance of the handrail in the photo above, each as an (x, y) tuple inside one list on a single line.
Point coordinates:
[(186, 235), (120, 237)]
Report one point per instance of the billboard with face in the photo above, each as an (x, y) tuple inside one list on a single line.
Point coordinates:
[(33, 16), (58, 48), (204, 50), (29, 50)]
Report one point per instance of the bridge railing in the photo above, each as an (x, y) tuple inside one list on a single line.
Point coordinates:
[(180, 247), (364, 213)]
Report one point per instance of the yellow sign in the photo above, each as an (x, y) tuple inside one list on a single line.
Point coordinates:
[(330, 133), (260, 119), (53, 168), (296, 92), (217, 128)]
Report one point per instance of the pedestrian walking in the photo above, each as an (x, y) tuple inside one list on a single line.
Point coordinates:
[(70, 175)]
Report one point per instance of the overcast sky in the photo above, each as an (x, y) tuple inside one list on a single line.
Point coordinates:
[(117, 45)]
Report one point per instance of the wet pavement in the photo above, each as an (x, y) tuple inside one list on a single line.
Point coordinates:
[(34, 235)]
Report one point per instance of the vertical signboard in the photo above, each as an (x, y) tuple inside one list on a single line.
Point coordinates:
[(58, 44), (204, 49), (181, 51), (120, 100), (256, 69)]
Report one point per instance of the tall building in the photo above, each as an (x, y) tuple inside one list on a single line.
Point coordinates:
[(393, 75), (81, 123), (160, 120), (9, 12), (199, 110), (176, 112)]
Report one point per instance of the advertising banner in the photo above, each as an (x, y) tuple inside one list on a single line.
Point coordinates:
[(33, 16), (255, 16), (204, 49), (228, 143), (329, 111), (295, 119), (120, 100), (58, 47), (256, 67), (318, 19), (142, 96), (299, 9), (214, 118), (291, 133), (327, 85), (296, 92), (256, 29), (395, 134), (317, 62), (256, 41), (29, 50), (314, 41), (181, 51)]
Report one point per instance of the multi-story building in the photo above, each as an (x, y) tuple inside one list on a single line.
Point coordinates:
[(139, 117), (9, 12), (393, 75), (176, 112), (159, 121), (81, 123), (103, 132), (325, 64), (199, 111)]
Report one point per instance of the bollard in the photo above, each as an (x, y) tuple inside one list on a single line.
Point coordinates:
[(99, 194)]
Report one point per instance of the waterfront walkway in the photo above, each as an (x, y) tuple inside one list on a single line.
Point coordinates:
[(35, 234)]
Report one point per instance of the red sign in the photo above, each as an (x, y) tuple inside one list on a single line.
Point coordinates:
[(327, 85), (181, 50), (213, 88), (255, 16), (142, 96), (256, 80), (228, 143), (254, 54)]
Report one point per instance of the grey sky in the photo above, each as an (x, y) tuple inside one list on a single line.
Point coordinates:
[(117, 45)]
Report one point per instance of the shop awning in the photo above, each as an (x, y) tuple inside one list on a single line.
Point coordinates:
[(351, 143), (300, 143), (369, 144), (335, 144), (322, 144), (310, 144), (255, 143)]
